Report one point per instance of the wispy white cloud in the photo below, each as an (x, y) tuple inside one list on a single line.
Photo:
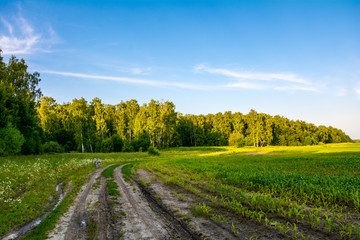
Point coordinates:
[(259, 80), (7, 25), (288, 77), (245, 85), (22, 38), (357, 90), (129, 80), (295, 88), (140, 71)]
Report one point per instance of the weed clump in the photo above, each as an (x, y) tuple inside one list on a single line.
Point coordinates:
[(153, 151)]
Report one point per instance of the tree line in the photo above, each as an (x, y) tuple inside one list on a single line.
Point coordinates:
[(31, 123), (95, 126)]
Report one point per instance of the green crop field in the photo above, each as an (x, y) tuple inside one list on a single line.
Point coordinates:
[(287, 188), (316, 188)]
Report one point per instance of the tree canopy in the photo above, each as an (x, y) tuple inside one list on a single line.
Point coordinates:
[(27, 120), (19, 92), (158, 124)]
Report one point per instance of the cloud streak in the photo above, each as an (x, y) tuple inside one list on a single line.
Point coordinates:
[(288, 77), (22, 39), (129, 80), (154, 83), (256, 80)]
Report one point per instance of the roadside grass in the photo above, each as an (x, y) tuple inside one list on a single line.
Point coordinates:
[(77, 181), (112, 188), (126, 170), (109, 172)]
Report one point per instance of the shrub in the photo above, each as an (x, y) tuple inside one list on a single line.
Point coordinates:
[(52, 147), (68, 146), (117, 143), (153, 151), (127, 147), (237, 140), (141, 143), (107, 145), (308, 141), (11, 140)]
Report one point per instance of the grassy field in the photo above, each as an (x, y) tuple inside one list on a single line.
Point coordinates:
[(286, 188), (27, 183)]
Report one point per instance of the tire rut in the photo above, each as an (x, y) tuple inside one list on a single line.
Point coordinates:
[(144, 225), (144, 218), (73, 224), (77, 225)]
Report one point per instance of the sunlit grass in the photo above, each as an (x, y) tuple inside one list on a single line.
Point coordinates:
[(317, 186), (27, 183)]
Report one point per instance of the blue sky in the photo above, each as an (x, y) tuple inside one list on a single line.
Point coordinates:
[(298, 59)]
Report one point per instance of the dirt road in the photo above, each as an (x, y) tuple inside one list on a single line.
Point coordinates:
[(134, 214), (73, 224)]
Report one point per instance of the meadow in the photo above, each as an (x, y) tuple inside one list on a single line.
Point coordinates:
[(28, 183), (292, 190)]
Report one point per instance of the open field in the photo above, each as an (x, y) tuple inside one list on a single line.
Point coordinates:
[(212, 192)]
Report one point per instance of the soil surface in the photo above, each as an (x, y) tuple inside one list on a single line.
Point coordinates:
[(73, 224), (180, 201), (133, 214)]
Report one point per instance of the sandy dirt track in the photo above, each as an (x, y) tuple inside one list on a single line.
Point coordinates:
[(135, 214), (73, 224)]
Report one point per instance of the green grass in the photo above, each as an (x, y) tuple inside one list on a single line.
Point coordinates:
[(315, 185), (27, 184), (49, 222), (111, 184), (112, 188), (324, 176), (109, 172), (127, 169)]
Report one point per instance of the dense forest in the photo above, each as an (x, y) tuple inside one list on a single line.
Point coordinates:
[(31, 123)]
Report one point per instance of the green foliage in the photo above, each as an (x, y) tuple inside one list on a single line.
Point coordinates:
[(308, 141), (107, 145), (127, 147), (117, 143), (141, 143), (237, 140), (11, 140), (18, 95), (202, 210), (153, 151), (127, 169), (52, 147), (112, 188), (109, 172), (88, 126)]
